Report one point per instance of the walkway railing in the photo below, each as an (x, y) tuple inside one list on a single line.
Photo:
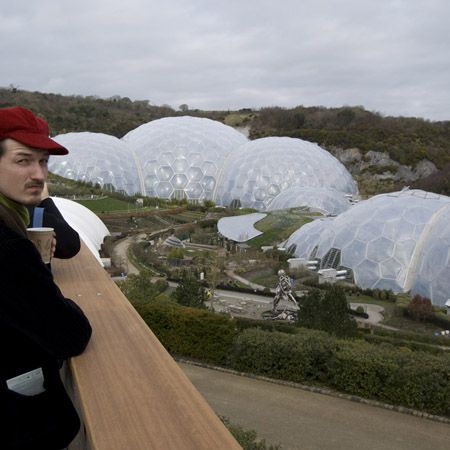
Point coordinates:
[(130, 392)]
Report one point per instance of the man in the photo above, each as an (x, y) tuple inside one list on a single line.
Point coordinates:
[(39, 328)]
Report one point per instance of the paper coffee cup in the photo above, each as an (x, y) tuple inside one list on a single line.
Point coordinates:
[(42, 239)]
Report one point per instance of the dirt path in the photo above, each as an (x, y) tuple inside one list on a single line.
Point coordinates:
[(120, 253), (298, 419)]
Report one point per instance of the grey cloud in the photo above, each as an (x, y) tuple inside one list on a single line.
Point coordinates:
[(390, 56)]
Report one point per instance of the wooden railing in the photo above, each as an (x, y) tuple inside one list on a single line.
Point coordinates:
[(130, 392)]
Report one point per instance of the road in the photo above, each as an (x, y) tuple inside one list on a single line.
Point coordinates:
[(298, 419), (120, 253)]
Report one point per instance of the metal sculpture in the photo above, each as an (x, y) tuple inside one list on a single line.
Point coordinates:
[(283, 291)]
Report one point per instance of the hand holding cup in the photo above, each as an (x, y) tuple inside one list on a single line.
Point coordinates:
[(43, 239)]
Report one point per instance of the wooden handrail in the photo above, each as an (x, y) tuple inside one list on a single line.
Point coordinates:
[(131, 393)]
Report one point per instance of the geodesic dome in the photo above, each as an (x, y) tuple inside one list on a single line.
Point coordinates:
[(261, 169), (180, 156), (390, 241), (98, 158), (328, 201), (432, 278)]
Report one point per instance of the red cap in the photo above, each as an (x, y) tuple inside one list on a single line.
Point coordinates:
[(23, 126)]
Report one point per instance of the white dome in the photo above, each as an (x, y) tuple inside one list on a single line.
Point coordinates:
[(258, 171), (91, 229), (181, 156), (328, 201), (432, 279), (98, 158), (388, 241)]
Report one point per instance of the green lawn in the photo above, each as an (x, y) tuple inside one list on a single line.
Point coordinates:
[(107, 204), (278, 226)]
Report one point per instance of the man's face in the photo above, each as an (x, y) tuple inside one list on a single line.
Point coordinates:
[(23, 172)]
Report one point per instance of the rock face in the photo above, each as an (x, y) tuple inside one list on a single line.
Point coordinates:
[(379, 166)]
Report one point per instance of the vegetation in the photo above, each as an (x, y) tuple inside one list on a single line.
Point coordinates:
[(406, 140), (327, 311), (277, 226), (248, 438), (190, 292), (420, 308), (385, 366), (107, 204), (140, 289)]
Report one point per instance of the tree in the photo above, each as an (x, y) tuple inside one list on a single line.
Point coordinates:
[(310, 310), (190, 292), (327, 311), (420, 308), (335, 312), (184, 107), (140, 288)]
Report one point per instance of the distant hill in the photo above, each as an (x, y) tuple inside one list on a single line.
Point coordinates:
[(385, 152)]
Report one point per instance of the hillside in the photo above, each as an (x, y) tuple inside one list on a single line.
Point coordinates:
[(382, 153)]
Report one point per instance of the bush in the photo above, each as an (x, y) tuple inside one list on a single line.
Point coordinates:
[(300, 357), (412, 379), (327, 311), (140, 288), (247, 439), (191, 332), (420, 308)]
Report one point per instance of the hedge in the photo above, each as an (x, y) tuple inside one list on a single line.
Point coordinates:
[(192, 332), (396, 375), (413, 379), (300, 357)]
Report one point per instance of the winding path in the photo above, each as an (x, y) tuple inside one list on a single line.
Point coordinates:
[(298, 419)]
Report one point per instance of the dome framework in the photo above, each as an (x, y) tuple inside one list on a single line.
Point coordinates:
[(394, 241)]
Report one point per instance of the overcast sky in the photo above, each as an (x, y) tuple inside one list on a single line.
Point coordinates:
[(390, 56)]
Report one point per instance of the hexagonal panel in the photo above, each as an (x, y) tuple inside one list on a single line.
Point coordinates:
[(166, 159), (180, 165), (353, 254), (380, 249), (195, 173), (209, 168), (165, 173), (194, 190), (208, 183), (367, 273), (179, 181), (164, 189)]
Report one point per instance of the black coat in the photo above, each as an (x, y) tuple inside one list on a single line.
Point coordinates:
[(39, 328), (67, 239)]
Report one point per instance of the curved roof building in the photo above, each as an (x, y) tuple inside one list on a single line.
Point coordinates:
[(98, 158), (181, 156), (395, 241), (257, 172), (240, 228)]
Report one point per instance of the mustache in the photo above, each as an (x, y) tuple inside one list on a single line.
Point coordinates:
[(34, 184)]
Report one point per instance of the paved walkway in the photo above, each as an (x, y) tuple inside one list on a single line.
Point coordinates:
[(298, 419), (243, 280), (120, 252)]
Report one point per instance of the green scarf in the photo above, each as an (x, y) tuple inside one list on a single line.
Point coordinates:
[(20, 210)]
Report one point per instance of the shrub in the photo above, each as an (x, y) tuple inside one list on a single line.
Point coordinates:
[(420, 308), (190, 332), (300, 357), (413, 379), (327, 311), (247, 439)]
